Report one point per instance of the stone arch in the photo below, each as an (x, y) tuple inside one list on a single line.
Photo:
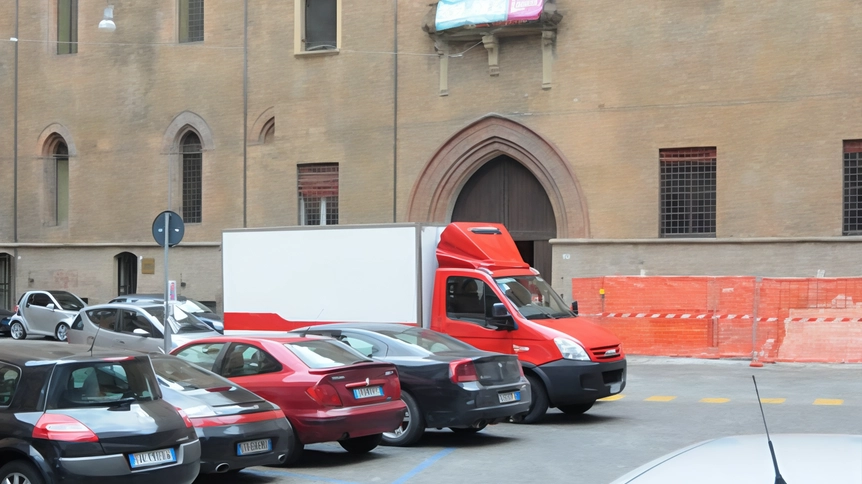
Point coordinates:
[(180, 125), (438, 185), (50, 134), (257, 132)]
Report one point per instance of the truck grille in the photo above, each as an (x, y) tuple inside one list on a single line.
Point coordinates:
[(606, 352)]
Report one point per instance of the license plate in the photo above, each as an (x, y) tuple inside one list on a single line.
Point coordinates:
[(615, 387), (254, 447), (152, 458), (510, 397), (366, 392)]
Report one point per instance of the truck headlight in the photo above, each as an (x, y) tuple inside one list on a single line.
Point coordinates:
[(571, 350)]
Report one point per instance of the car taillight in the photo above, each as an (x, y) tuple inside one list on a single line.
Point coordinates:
[(462, 371), (325, 395), (16, 309), (62, 428), (185, 417)]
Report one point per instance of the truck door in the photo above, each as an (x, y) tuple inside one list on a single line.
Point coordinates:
[(468, 306)]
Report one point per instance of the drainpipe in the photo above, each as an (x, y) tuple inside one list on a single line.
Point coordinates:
[(245, 114), (15, 137), (395, 121)]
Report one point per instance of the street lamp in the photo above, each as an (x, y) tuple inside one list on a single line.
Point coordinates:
[(107, 24)]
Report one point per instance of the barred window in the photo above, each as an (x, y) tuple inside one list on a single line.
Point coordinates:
[(67, 26), (318, 194), (852, 187), (192, 177), (688, 192), (191, 20)]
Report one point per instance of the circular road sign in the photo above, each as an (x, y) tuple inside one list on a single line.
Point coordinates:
[(176, 228)]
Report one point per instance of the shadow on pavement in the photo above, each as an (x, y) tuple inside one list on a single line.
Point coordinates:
[(447, 438)]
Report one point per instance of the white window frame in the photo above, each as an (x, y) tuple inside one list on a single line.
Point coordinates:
[(299, 30)]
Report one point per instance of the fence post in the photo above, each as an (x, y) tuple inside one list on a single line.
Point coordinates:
[(754, 361)]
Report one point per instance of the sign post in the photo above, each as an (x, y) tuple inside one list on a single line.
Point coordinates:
[(168, 230)]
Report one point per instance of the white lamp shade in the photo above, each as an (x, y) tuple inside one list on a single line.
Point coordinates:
[(107, 24)]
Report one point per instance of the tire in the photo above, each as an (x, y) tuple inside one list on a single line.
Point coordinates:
[(20, 472), (361, 445), (62, 331), (411, 428), (576, 409), (538, 403), (16, 329), (468, 430), (295, 448)]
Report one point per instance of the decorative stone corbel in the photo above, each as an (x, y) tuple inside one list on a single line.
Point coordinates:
[(548, 38), (492, 46), (443, 52)]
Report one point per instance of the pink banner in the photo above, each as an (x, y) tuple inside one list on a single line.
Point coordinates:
[(524, 10)]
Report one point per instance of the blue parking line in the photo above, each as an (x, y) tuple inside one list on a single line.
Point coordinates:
[(424, 465), (307, 477)]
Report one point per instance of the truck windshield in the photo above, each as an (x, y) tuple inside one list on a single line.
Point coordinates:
[(533, 297)]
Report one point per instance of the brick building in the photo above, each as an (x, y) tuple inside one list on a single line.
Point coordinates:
[(657, 137)]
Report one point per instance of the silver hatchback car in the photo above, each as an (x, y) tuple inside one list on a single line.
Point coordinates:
[(44, 313), (135, 326)]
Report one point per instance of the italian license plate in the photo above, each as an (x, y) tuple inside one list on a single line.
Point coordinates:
[(366, 392), (254, 447), (510, 397), (152, 458)]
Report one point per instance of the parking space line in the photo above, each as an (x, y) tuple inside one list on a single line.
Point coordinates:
[(618, 396), (424, 465), (659, 398), (828, 401), (714, 400), (773, 400), (306, 477)]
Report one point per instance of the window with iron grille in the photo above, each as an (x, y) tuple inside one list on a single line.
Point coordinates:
[(852, 187), (191, 20), (688, 192), (192, 178), (5, 281), (321, 25), (67, 26), (61, 182), (318, 194)]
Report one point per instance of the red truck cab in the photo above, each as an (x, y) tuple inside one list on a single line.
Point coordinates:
[(487, 296)]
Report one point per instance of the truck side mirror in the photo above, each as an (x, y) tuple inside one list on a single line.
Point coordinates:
[(575, 307), (500, 318)]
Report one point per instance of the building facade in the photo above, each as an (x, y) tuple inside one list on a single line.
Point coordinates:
[(657, 138)]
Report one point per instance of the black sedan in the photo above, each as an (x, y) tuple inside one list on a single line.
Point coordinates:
[(66, 417), (444, 382), (5, 314), (236, 428)]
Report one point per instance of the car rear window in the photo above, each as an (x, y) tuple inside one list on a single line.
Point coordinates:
[(9, 376), (103, 383), (430, 340), (186, 377), (321, 353)]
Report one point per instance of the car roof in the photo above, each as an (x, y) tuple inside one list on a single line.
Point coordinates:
[(25, 352), (128, 304), (370, 327), (745, 459), (256, 339), (159, 297)]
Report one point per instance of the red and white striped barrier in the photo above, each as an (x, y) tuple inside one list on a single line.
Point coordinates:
[(722, 316)]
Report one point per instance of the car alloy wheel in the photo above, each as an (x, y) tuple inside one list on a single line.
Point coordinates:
[(16, 478), (61, 332), (19, 472), (16, 329), (411, 428)]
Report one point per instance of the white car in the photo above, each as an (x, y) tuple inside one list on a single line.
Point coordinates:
[(745, 459), (135, 326), (44, 313)]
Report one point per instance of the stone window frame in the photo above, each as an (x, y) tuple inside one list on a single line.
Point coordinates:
[(48, 142), (182, 124), (184, 22), (67, 44), (299, 30)]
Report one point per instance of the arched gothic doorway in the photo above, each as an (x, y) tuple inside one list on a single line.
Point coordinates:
[(504, 191)]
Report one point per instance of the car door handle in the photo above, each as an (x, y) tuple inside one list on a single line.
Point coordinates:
[(119, 341)]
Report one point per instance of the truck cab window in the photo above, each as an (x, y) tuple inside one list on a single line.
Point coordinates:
[(469, 299)]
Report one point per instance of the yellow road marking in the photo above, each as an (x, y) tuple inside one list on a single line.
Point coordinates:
[(773, 400), (659, 398), (714, 400), (828, 401), (618, 396)]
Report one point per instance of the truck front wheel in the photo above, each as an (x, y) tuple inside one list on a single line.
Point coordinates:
[(538, 404)]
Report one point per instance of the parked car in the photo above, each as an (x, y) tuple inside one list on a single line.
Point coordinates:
[(746, 459), (5, 316), (135, 326), (328, 391), (190, 306), (444, 382), (44, 313), (236, 428), (66, 417)]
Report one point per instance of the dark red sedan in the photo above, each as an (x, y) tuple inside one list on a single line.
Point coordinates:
[(328, 392)]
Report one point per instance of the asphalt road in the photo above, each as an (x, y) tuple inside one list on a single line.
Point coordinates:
[(667, 404)]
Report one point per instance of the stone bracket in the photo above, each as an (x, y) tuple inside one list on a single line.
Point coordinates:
[(443, 52), (548, 39), (493, 47)]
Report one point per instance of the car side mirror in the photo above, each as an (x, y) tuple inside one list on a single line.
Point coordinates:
[(575, 307), (50, 306), (141, 332), (500, 318)]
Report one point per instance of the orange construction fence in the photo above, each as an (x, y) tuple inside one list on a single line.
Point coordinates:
[(767, 319)]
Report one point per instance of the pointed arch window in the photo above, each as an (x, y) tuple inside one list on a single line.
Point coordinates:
[(192, 173), (268, 132), (58, 180)]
